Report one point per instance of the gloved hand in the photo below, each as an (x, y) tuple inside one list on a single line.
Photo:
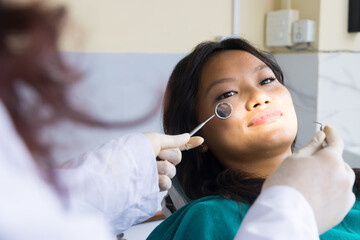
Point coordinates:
[(167, 149), (322, 176)]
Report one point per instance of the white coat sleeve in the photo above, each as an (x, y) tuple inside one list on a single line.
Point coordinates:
[(29, 206), (118, 181), (279, 213)]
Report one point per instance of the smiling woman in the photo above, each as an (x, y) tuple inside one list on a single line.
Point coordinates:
[(225, 176), (262, 107), (250, 80)]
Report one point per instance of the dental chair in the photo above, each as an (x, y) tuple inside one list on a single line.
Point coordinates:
[(174, 199)]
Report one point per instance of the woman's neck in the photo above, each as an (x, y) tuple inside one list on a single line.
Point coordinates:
[(262, 163)]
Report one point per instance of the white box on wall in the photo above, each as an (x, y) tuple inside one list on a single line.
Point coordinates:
[(304, 31), (279, 26)]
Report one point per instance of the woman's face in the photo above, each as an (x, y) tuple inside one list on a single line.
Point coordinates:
[(263, 123)]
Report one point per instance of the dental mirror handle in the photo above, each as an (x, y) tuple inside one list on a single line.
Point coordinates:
[(200, 126)]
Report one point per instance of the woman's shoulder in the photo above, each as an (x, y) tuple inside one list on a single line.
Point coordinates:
[(210, 217), (216, 204)]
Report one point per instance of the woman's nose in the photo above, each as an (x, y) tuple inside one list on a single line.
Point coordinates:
[(257, 99)]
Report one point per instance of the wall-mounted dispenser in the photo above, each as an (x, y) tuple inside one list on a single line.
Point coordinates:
[(303, 31), (279, 27), (284, 29)]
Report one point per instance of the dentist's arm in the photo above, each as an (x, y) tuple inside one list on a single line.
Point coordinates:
[(120, 180), (297, 196)]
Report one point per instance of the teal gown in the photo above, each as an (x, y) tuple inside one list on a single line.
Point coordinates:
[(215, 217)]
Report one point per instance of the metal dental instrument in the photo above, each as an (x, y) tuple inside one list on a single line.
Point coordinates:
[(321, 125), (324, 144), (223, 110)]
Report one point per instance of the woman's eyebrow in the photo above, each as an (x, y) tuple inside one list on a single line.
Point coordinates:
[(219, 81), (259, 68), (225, 80)]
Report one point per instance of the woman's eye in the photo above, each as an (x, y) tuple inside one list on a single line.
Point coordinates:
[(267, 80), (226, 95)]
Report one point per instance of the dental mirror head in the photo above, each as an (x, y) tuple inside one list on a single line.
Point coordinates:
[(223, 110)]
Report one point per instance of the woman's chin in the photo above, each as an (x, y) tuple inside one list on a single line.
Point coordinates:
[(273, 139)]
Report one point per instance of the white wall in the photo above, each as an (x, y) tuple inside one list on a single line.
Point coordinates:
[(301, 73), (116, 87), (325, 87), (339, 96), (158, 26), (333, 27)]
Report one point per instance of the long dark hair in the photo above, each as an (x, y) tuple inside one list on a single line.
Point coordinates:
[(201, 173), (30, 62)]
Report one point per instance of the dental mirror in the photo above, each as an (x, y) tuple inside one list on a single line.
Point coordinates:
[(223, 110)]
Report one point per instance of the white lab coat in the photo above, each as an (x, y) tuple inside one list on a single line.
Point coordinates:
[(111, 188), (279, 213)]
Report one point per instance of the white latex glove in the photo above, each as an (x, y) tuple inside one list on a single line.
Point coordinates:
[(167, 149), (322, 176)]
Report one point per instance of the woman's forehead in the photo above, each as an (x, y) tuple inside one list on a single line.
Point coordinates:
[(232, 57), (226, 63)]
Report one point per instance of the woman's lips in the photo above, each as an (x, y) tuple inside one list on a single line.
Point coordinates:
[(266, 116)]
